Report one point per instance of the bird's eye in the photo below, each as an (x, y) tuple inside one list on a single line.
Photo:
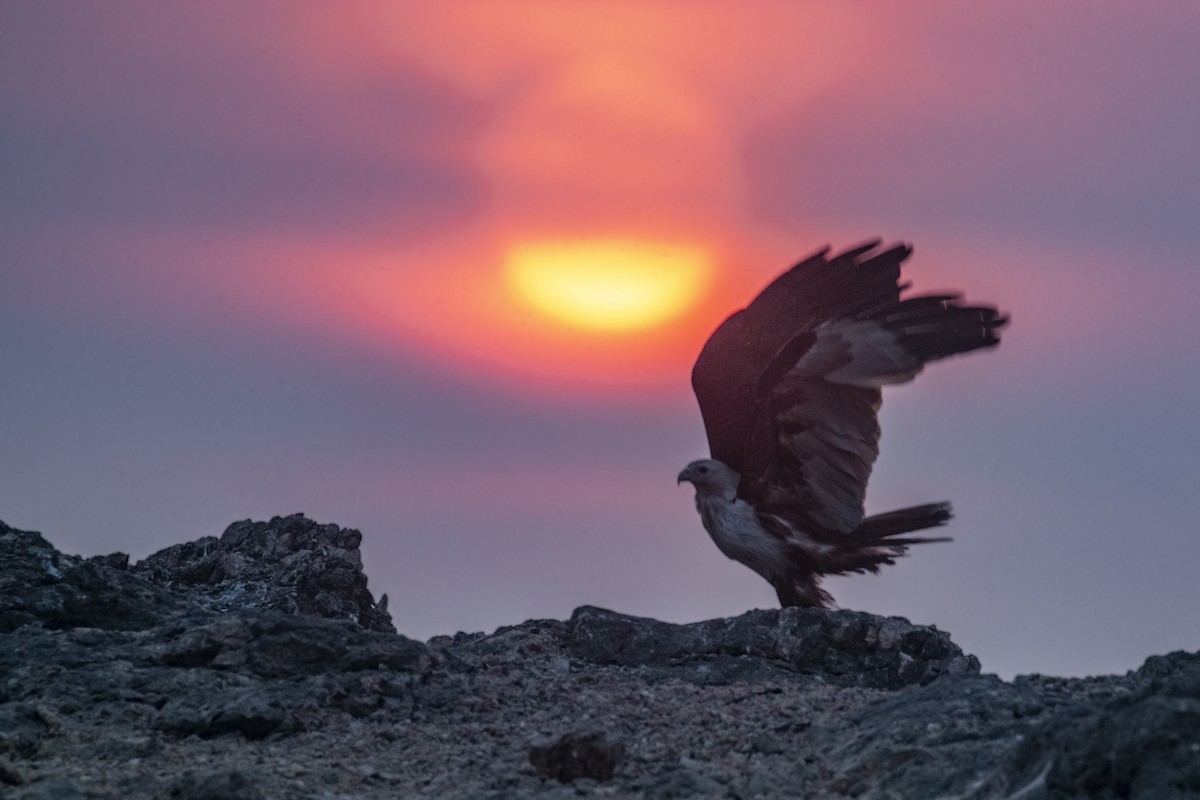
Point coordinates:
[(703, 470)]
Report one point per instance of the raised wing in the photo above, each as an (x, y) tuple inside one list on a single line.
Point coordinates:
[(790, 386), (749, 352)]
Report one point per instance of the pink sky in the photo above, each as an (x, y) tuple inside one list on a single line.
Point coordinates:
[(256, 254)]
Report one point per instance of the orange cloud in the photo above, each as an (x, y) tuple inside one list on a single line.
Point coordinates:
[(610, 123), (477, 316), (589, 124)]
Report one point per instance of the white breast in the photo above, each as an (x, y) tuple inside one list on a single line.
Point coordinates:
[(735, 529)]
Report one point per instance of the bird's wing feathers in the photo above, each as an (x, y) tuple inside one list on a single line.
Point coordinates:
[(790, 386), (818, 444), (735, 372)]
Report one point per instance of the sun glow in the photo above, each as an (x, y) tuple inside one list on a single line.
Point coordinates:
[(609, 284)]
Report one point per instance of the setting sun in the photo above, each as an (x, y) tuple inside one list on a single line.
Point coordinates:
[(609, 284)]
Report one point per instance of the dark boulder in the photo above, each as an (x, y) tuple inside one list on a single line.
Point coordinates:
[(843, 648), (1145, 743), (593, 755), (848, 648), (39, 585), (290, 564)]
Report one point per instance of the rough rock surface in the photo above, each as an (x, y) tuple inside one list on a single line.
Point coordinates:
[(578, 755), (257, 665), (289, 564)]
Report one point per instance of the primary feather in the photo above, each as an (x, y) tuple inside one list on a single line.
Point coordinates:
[(789, 388)]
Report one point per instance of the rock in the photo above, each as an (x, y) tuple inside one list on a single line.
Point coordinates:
[(21, 729), (228, 784), (1145, 744), (845, 648), (204, 639), (679, 782), (39, 585), (9, 774), (848, 648), (593, 755), (255, 664), (274, 644), (247, 712), (59, 788), (289, 564)]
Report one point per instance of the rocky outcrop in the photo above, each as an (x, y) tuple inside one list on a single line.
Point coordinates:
[(289, 564), (41, 586), (843, 648), (257, 665)]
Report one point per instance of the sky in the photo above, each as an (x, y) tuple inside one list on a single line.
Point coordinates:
[(439, 272)]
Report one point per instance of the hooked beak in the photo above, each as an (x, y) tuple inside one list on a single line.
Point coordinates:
[(683, 476)]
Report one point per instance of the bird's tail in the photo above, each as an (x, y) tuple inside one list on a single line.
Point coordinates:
[(879, 540), (915, 518), (876, 542)]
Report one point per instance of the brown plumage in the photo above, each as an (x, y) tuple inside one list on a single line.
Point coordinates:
[(789, 388)]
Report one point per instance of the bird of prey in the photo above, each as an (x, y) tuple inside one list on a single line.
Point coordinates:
[(789, 388)]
